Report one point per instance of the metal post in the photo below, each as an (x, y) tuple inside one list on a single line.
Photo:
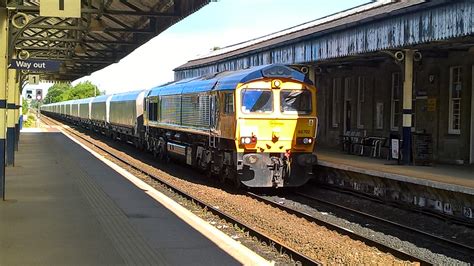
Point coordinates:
[(3, 90), (17, 112), (407, 105), (11, 106)]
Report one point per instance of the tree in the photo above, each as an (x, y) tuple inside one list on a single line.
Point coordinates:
[(83, 90), (56, 92), (64, 91)]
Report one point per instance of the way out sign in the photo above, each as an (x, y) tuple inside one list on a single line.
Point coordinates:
[(60, 8), (35, 65)]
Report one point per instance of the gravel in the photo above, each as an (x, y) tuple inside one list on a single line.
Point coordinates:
[(422, 247)]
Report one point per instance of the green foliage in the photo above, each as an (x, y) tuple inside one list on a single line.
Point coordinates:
[(82, 90), (24, 107), (56, 92), (64, 92), (30, 121), (34, 104)]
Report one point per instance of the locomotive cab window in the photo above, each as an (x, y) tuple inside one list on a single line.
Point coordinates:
[(228, 103), (257, 101), (153, 111), (295, 101)]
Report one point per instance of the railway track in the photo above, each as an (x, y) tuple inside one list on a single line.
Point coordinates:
[(398, 253), (296, 256), (440, 216), (432, 237)]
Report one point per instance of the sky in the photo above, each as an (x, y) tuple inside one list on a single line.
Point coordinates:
[(217, 24)]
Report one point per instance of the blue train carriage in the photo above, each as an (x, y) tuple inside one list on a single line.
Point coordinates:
[(255, 126)]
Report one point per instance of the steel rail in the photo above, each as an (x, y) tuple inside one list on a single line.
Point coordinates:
[(468, 249), (440, 216), (342, 230), (304, 260)]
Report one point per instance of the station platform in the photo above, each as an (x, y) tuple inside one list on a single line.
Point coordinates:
[(456, 178), (65, 207)]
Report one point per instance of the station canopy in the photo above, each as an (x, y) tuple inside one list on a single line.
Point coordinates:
[(106, 31)]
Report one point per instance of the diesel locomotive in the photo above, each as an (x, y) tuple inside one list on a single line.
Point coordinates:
[(255, 126)]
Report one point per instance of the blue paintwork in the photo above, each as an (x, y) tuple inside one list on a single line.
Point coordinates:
[(126, 96), (100, 99), (226, 80)]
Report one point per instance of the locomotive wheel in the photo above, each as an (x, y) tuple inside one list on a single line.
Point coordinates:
[(236, 182), (161, 154), (223, 174)]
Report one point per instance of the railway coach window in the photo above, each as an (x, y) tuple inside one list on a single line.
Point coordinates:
[(295, 101), (257, 101)]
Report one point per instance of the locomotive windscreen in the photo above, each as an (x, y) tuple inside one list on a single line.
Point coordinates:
[(255, 100)]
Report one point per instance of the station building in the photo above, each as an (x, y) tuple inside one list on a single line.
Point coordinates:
[(388, 69)]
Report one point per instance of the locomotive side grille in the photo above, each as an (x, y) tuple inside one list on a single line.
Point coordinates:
[(195, 110), (170, 109)]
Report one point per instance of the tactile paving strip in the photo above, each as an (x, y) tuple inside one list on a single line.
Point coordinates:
[(127, 241)]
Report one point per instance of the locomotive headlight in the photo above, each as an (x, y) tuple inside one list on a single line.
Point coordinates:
[(276, 83), (305, 141), (248, 140)]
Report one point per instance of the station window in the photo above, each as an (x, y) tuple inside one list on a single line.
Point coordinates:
[(360, 101), (396, 114), (228, 103), (336, 95), (455, 90)]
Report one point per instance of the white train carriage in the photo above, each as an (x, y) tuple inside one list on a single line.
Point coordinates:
[(84, 110), (126, 115), (99, 114)]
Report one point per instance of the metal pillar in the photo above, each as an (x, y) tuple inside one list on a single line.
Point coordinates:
[(17, 113), (11, 106), (407, 105), (3, 90)]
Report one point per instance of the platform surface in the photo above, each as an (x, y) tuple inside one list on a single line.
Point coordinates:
[(455, 178), (65, 207)]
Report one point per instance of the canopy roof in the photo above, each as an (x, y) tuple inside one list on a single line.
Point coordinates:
[(106, 32)]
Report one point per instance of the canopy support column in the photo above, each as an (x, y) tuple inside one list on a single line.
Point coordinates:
[(407, 105), (11, 107), (3, 90)]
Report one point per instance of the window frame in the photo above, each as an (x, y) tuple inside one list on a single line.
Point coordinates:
[(393, 112), (303, 90), (272, 100), (451, 129), (227, 103)]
